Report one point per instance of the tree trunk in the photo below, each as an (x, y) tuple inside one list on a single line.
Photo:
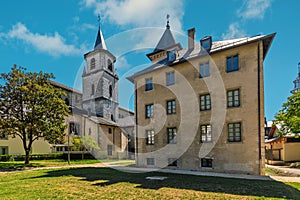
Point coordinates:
[(27, 153), (82, 156)]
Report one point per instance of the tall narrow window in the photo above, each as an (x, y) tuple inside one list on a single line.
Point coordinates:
[(93, 89), (92, 63), (232, 63), (205, 103), (110, 91), (171, 107), (234, 132), (109, 150), (4, 150), (206, 133), (149, 85), (73, 128), (233, 98), (172, 135), (109, 65), (149, 110), (204, 70), (150, 137), (170, 78)]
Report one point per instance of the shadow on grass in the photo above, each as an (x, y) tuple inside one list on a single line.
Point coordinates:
[(259, 188)]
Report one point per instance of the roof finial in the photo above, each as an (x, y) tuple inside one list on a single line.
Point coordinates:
[(99, 20), (168, 25)]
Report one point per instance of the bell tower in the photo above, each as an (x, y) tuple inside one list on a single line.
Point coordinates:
[(100, 81)]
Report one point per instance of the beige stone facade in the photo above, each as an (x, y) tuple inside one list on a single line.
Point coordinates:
[(227, 134)]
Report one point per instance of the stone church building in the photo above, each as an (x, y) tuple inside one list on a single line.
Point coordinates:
[(95, 112)]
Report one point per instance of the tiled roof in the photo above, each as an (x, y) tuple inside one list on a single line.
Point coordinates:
[(187, 54), (56, 84), (126, 121)]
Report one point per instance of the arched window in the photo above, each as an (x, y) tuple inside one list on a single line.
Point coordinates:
[(93, 89), (109, 65), (110, 91), (92, 63)]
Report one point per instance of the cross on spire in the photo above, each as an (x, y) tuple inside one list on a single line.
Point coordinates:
[(99, 20), (168, 25)]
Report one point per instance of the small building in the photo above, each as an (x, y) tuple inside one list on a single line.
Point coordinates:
[(282, 149)]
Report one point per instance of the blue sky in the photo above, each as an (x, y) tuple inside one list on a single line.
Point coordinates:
[(52, 36)]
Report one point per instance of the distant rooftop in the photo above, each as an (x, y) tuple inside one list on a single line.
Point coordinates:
[(54, 83)]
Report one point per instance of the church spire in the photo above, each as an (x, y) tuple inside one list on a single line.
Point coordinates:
[(297, 82), (100, 42)]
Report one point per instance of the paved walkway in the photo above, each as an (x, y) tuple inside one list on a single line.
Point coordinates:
[(286, 169), (197, 173)]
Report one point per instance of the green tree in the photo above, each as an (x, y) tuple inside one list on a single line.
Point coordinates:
[(31, 108), (84, 143), (289, 116)]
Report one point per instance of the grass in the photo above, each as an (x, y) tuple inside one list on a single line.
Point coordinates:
[(107, 183)]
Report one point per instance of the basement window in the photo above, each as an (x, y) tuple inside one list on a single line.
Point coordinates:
[(206, 162), (150, 161)]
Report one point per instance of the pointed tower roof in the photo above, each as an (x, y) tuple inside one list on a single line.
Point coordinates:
[(100, 42), (167, 41)]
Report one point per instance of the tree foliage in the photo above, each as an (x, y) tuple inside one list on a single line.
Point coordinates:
[(289, 116), (85, 143), (31, 108)]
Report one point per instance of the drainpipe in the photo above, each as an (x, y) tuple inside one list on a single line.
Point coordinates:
[(136, 123), (259, 106)]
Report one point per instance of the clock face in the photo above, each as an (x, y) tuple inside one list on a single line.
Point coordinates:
[(171, 56)]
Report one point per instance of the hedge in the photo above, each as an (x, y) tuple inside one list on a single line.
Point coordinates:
[(32, 157)]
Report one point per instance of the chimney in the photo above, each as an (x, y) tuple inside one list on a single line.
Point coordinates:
[(191, 38)]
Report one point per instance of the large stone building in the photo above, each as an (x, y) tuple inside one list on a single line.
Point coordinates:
[(202, 107)]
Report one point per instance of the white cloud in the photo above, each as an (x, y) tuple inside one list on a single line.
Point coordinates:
[(53, 45), (234, 31), (254, 9), (251, 9), (140, 14), (122, 63)]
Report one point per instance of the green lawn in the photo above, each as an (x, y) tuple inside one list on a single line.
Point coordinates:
[(107, 183)]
